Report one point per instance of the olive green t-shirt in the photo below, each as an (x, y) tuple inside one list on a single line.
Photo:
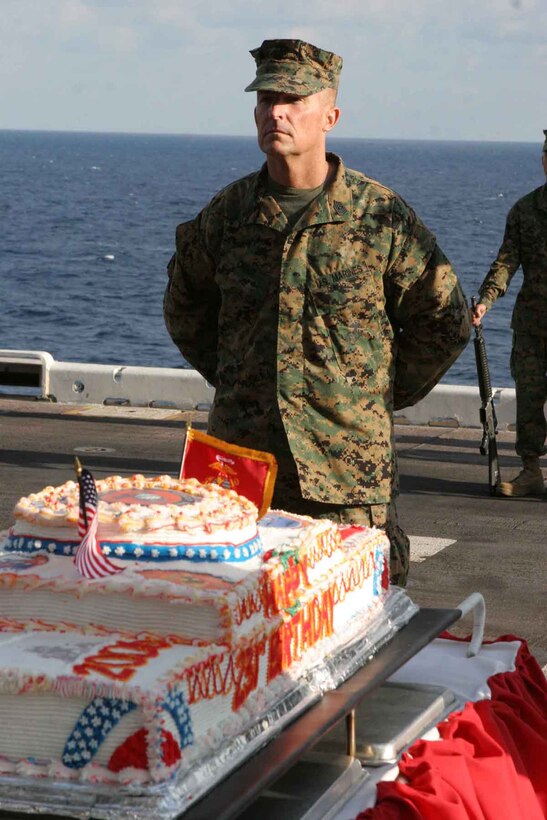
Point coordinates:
[(293, 201)]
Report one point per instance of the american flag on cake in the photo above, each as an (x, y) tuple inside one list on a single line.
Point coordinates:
[(89, 560)]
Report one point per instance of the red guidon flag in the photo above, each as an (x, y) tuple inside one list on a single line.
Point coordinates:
[(250, 473)]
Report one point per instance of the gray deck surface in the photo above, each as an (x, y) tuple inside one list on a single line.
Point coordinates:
[(463, 540)]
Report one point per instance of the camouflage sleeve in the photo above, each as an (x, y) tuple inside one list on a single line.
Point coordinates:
[(505, 265), (191, 301), (428, 311)]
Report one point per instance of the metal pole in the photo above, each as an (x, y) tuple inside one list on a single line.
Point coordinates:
[(350, 734)]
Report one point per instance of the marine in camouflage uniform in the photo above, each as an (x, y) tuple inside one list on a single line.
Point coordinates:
[(313, 331), (525, 244)]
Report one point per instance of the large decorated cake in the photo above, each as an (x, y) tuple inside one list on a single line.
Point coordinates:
[(208, 618)]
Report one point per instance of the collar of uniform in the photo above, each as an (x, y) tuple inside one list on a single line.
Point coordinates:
[(334, 204), (338, 194), (261, 206)]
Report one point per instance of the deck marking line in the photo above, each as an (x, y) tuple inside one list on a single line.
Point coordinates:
[(422, 547)]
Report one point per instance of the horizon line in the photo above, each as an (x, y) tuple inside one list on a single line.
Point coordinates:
[(251, 136)]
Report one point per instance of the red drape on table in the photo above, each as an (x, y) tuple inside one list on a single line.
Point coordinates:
[(491, 761)]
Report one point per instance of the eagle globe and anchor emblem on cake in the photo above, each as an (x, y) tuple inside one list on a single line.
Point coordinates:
[(226, 547), (146, 497)]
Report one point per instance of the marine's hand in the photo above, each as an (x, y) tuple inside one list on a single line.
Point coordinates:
[(477, 313)]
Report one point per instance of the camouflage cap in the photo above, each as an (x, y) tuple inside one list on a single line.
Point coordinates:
[(545, 143), (294, 67)]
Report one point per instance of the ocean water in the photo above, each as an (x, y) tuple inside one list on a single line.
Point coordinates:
[(87, 226)]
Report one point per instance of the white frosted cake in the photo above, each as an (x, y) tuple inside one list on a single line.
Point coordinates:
[(149, 519), (152, 668)]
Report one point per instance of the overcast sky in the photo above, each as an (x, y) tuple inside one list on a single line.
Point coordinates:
[(413, 69)]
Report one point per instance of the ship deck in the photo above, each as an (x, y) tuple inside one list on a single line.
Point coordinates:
[(462, 539)]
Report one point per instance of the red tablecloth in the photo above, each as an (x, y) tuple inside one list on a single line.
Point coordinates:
[(491, 760)]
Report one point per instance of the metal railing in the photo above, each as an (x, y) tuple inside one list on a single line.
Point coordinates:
[(38, 374)]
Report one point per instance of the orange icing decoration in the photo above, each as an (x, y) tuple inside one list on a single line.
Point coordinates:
[(120, 661)]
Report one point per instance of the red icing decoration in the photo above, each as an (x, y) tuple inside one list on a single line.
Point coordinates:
[(247, 662), (121, 660), (170, 749), (347, 532), (132, 752), (312, 623), (385, 575), (235, 672), (279, 587)]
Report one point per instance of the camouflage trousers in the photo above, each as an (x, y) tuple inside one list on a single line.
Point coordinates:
[(383, 516), (529, 370)]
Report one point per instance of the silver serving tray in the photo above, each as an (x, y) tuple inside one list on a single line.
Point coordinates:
[(390, 719)]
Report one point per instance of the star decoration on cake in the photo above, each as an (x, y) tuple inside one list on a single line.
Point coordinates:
[(94, 724)]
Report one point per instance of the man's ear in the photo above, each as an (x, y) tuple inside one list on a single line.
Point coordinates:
[(333, 115)]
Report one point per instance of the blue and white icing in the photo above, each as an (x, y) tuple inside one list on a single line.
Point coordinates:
[(150, 553), (94, 724), (176, 706), (378, 570)]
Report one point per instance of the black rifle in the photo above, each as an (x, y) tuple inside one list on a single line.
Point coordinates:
[(487, 412)]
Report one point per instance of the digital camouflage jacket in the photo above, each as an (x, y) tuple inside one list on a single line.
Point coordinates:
[(524, 243), (312, 337)]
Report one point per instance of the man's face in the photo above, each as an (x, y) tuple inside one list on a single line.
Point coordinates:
[(290, 125), (544, 161)]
